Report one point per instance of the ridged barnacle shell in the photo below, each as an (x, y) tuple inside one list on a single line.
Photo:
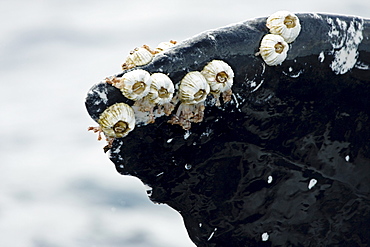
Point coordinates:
[(163, 46), (161, 89), (193, 88), (117, 120), (135, 84), (219, 76), (285, 24), (138, 57), (273, 49), (193, 91)]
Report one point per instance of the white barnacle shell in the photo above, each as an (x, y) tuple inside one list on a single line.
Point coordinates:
[(285, 24), (193, 88), (273, 49), (219, 76), (135, 84), (117, 120), (193, 91), (161, 89), (163, 46), (138, 57)]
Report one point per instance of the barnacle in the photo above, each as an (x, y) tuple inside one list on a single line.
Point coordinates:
[(219, 76), (164, 46), (160, 94), (192, 93), (285, 24), (134, 84), (115, 122), (273, 49), (138, 57)]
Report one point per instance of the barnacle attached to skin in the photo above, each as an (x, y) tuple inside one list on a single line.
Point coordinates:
[(138, 57), (160, 95), (193, 91), (219, 76), (163, 46), (273, 49), (134, 84), (115, 122), (285, 24)]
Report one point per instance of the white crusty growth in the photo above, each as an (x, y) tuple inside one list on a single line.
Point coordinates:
[(219, 76), (285, 24), (273, 49), (193, 91)]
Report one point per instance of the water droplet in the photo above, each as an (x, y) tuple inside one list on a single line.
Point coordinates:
[(121, 166), (187, 166), (200, 224), (169, 140), (187, 134), (312, 183), (269, 180), (212, 234), (265, 236), (347, 158)]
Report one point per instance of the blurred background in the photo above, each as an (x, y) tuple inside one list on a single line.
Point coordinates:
[(57, 187)]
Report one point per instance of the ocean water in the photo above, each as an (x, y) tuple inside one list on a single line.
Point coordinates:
[(58, 188)]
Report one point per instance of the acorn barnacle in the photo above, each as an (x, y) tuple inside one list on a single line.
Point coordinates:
[(193, 91), (138, 57), (134, 84), (160, 94), (163, 46), (273, 49), (285, 24), (161, 91), (219, 76), (115, 122)]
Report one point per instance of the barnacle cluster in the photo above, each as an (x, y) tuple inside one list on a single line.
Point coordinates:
[(157, 91), (148, 91), (284, 28), (215, 78)]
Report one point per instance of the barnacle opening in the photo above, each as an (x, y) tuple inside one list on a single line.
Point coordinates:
[(222, 77), (121, 127), (163, 93), (138, 87), (279, 47), (200, 95), (290, 21)]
